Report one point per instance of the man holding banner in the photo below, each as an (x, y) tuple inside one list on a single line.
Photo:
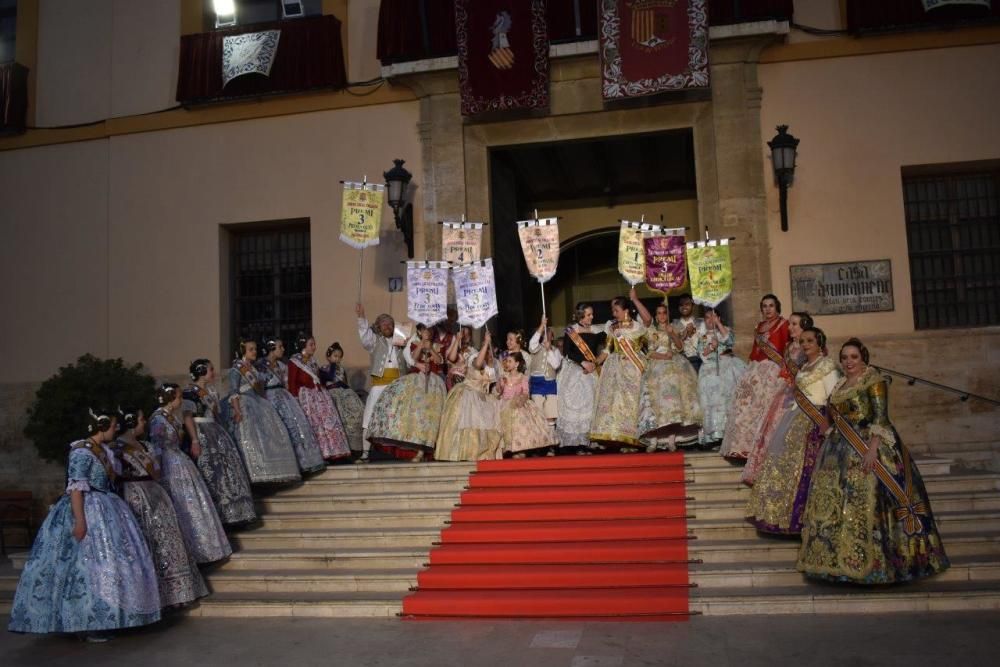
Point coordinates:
[(387, 362)]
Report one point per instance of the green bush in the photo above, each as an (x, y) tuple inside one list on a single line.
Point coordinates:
[(59, 414)]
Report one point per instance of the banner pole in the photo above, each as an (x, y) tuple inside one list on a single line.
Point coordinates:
[(361, 272), (541, 286)]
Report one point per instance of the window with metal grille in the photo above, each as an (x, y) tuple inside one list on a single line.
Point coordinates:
[(953, 234), (272, 281)]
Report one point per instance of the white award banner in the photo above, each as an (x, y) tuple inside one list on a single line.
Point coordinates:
[(461, 241), (249, 53), (427, 292), (475, 292), (540, 245)]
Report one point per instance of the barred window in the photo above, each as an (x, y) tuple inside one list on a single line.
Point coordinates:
[(953, 234), (271, 281)]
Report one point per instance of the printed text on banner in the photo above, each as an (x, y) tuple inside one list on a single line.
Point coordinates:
[(710, 270), (540, 245), (475, 292), (361, 214), (427, 292)]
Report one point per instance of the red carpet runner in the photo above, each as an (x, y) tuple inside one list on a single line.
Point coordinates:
[(584, 537)]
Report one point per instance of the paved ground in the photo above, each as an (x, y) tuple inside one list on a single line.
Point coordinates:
[(964, 639)]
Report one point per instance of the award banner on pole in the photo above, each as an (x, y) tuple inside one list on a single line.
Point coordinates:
[(631, 252), (361, 214), (475, 292), (710, 270), (540, 245), (666, 269), (461, 241), (427, 292)]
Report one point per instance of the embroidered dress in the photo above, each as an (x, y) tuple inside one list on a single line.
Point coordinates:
[(755, 390), (577, 390), (307, 451), (180, 582), (349, 406), (200, 525), (616, 414), (778, 497), (408, 413), (304, 384), (522, 427), (854, 529), (220, 463), (783, 401), (470, 421), (718, 376), (106, 580), (260, 433), (668, 401)]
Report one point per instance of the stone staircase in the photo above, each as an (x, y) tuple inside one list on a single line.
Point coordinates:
[(350, 541)]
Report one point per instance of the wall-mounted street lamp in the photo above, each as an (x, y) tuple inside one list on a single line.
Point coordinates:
[(783, 151), (397, 181)]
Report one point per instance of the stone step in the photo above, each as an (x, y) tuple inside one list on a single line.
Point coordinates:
[(336, 539), (316, 581), (929, 469), (326, 559), (924, 596), (8, 583), (350, 487), (331, 520), (390, 469), (330, 605), (349, 503)]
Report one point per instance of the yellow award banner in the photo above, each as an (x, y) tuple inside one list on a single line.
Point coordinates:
[(631, 253), (361, 214), (710, 270), (461, 241)]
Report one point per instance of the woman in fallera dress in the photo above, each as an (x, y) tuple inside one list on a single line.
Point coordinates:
[(457, 354), (349, 405), (577, 380), (523, 426), (203, 533), (778, 498), (616, 414), (274, 374), (177, 572), (761, 382), (408, 413), (255, 424), (718, 376), (90, 569), (220, 463), (669, 409), (867, 519), (471, 418), (304, 384), (783, 399)]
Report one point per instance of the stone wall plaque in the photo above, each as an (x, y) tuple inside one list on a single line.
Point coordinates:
[(847, 287)]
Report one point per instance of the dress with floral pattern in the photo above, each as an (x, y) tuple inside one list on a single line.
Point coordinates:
[(304, 384), (307, 450), (616, 411), (349, 404), (669, 402), (408, 413), (523, 427)]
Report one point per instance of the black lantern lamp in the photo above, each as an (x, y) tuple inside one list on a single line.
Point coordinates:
[(783, 150), (397, 180)]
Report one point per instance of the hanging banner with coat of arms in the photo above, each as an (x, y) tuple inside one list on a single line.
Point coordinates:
[(427, 292), (475, 292), (461, 241), (361, 214), (653, 46), (666, 269), (710, 270), (503, 55), (540, 245)]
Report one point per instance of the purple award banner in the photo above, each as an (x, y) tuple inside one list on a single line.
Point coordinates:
[(666, 267)]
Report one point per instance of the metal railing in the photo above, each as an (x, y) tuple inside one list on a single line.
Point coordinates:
[(913, 379)]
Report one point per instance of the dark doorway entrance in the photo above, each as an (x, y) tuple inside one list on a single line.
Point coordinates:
[(601, 174)]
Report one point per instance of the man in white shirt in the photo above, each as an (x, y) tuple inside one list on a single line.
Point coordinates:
[(689, 328), (387, 362)]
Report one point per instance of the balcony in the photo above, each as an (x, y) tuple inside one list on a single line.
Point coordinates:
[(420, 29), (309, 56), (13, 98), (865, 16)]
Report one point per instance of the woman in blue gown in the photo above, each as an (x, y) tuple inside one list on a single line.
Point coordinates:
[(90, 569)]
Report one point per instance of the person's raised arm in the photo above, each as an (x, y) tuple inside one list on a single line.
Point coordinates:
[(365, 332), (643, 311), (480, 362)]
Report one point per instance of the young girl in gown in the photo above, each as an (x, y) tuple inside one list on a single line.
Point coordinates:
[(199, 522), (180, 582), (220, 463), (669, 409), (349, 405), (718, 376), (783, 399), (778, 497), (90, 569), (273, 373), (471, 416), (523, 426), (408, 413), (616, 413), (258, 430), (304, 384), (577, 380), (760, 383), (867, 518)]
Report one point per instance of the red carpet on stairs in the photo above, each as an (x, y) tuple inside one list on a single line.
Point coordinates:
[(583, 537)]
